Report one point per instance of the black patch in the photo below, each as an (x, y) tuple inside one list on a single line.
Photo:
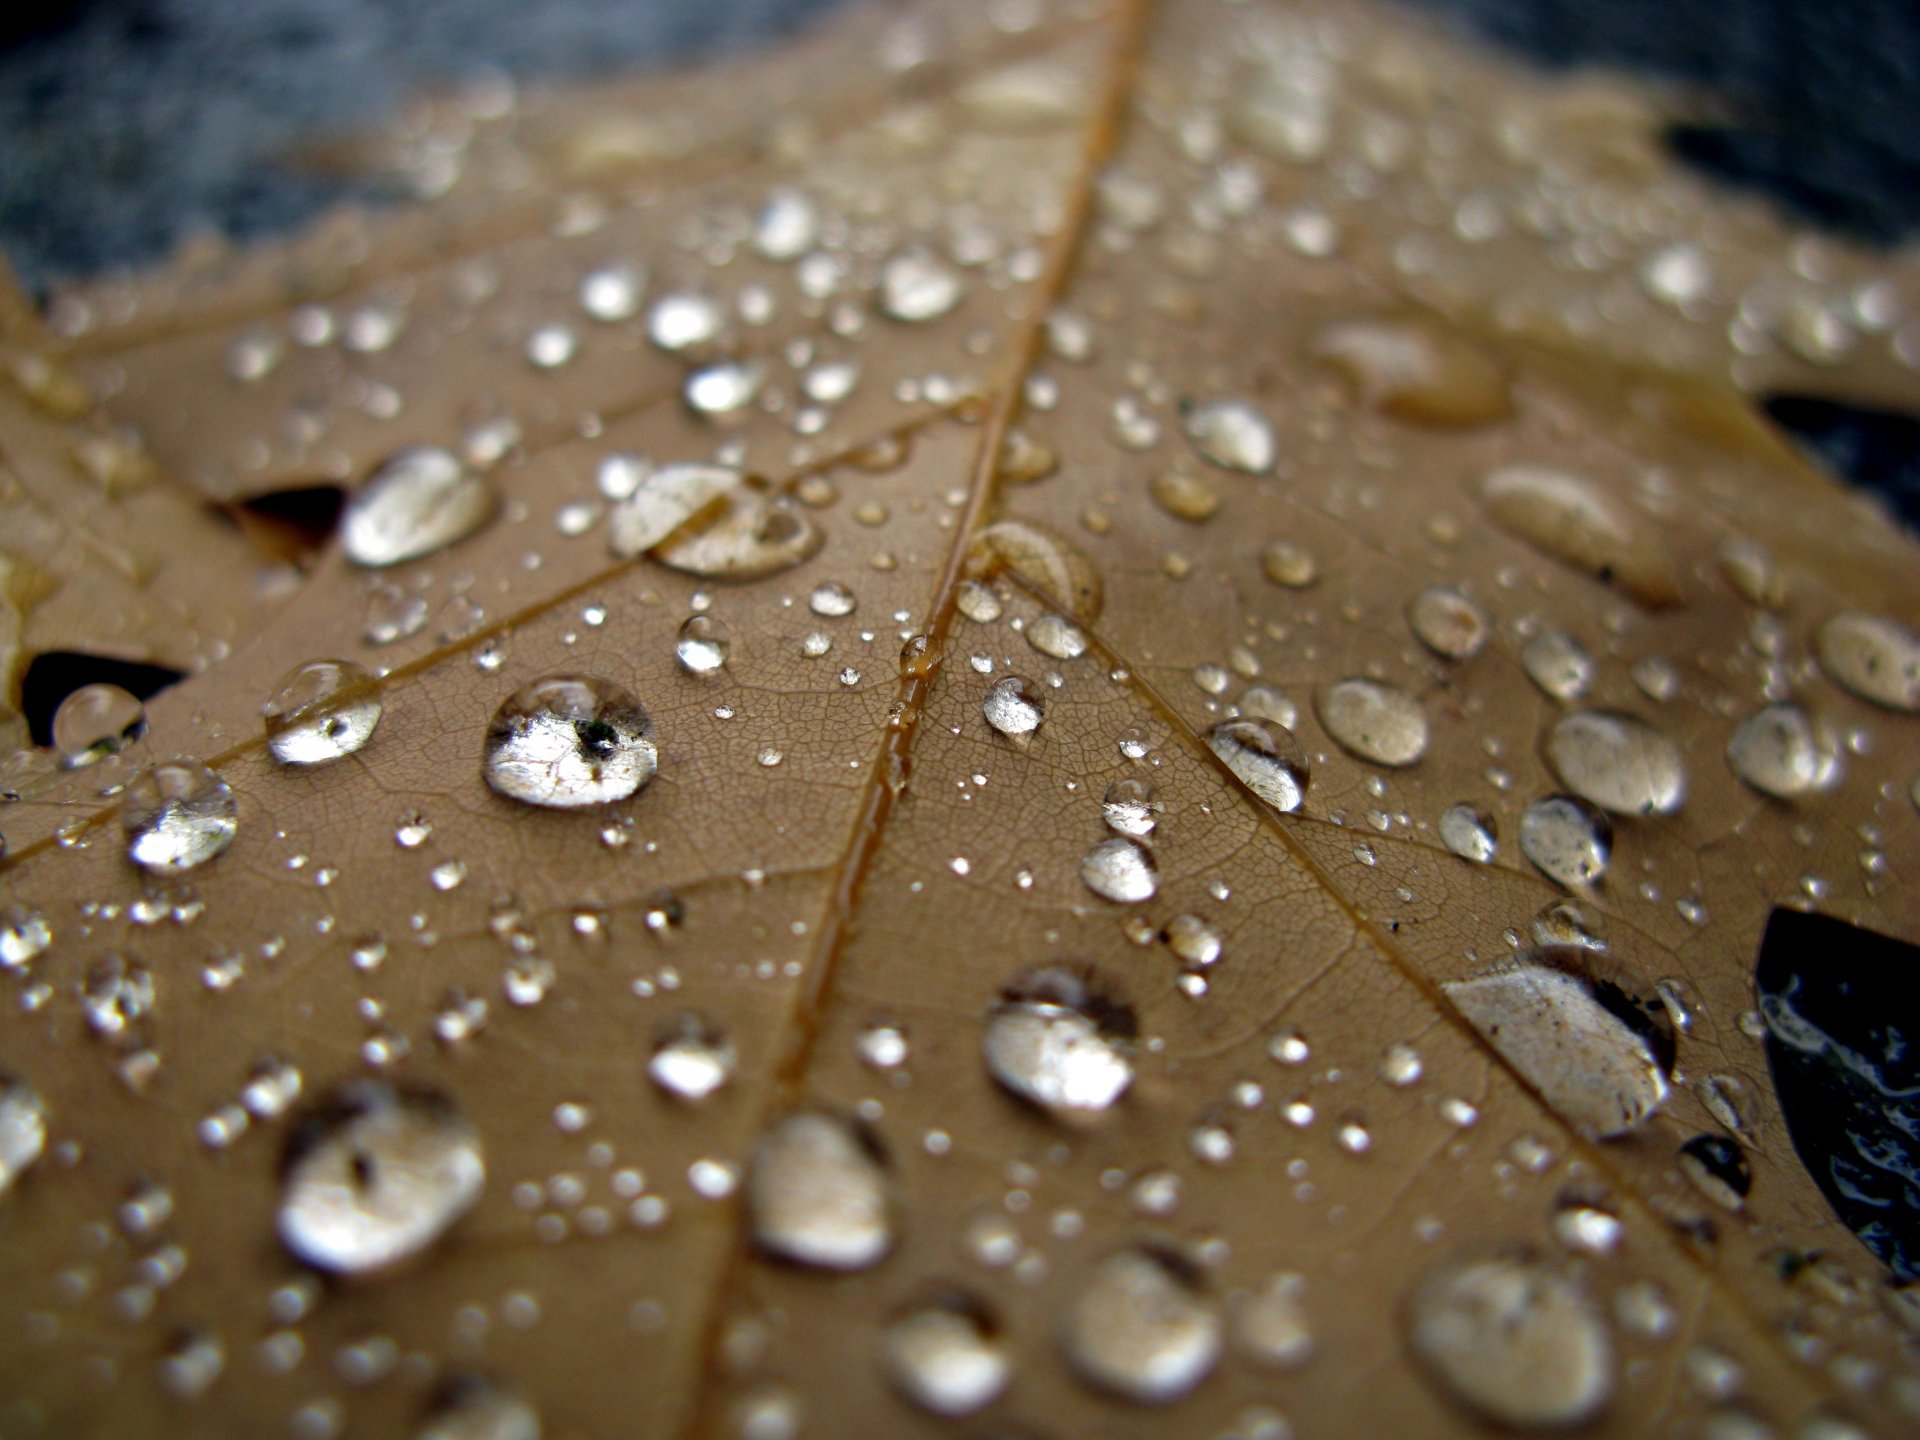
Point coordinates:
[(1724, 1160), (302, 521), (1878, 450), (56, 674), (1843, 1021)]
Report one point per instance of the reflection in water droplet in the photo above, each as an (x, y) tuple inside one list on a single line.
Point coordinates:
[(1120, 869), (724, 387), (23, 1129), (96, 721), (1141, 1328), (703, 645), (1057, 638), (321, 711), (945, 1357), (1873, 657), (177, 815), (655, 503), (916, 285), (567, 741), (24, 936), (817, 1192), (1130, 807), (692, 1057), (1559, 665), (1271, 1323), (1618, 762), (1599, 1056), (1056, 1042), (612, 293), (1468, 831), (683, 320), (1514, 1341), (749, 532), (421, 500), (1014, 707), (1231, 434), (1448, 623), (1785, 751), (1373, 721), (1267, 759), (375, 1175), (1570, 840)]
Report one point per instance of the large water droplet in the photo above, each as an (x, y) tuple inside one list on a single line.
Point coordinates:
[(96, 721), (1120, 869), (1513, 1340), (749, 533), (1468, 831), (567, 741), (1131, 807), (692, 1057), (376, 1175), (1053, 564), (1266, 757), (917, 285), (23, 1129), (945, 1356), (703, 645), (1058, 1043), (321, 711), (24, 936), (1618, 762), (177, 815), (1876, 658), (1570, 840), (1142, 1329), (658, 502), (1376, 722), (1783, 750), (1014, 707), (421, 500), (817, 1192), (1231, 434), (1572, 520)]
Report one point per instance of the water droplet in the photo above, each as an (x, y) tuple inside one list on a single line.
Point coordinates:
[(1468, 831), (24, 936), (96, 721), (23, 1129), (552, 346), (376, 1174), (1130, 807), (1587, 1229), (1416, 371), (471, 1408), (1569, 922), (723, 388), (177, 815), (1053, 564), (1514, 1341), (612, 293), (1559, 665), (703, 645), (1057, 1042), (1231, 434), (1618, 762), (1194, 940), (1373, 721), (749, 532), (1141, 1328), (683, 320), (1785, 751), (787, 226), (1293, 566), (1570, 519), (978, 602), (916, 285), (946, 1357), (421, 500), (1873, 657), (1263, 702), (831, 599), (1599, 1056), (1267, 759), (1718, 1169), (1014, 707), (1183, 496), (1057, 637), (321, 711), (817, 1192), (692, 1057), (1448, 623), (567, 741), (1120, 869), (1570, 840), (1676, 275), (1400, 1065), (1271, 1323)]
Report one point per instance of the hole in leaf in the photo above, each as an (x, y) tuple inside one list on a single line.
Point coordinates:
[(1877, 450), (292, 525), (1842, 1030), (1856, 186), (56, 674)]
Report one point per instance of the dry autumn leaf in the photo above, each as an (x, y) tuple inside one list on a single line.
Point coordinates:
[(1079, 716)]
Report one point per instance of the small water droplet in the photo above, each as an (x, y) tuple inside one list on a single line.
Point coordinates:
[(1267, 759), (612, 293), (1448, 623), (1014, 706), (1130, 807), (1120, 869), (1288, 564), (1057, 638), (787, 226), (177, 815), (1374, 721), (692, 1057), (978, 602), (419, 501), (683, 320), (23, 1129), (1141, 1328), (817, 1192), (24, 936), (321, 711), (1718, 1169), (946, 1357), (1568, 839), (567, 741), (96, 721), (703, 645), (1559, 665), (723, 388), (1468, 831), (916, 285), (1231, 434), (1570, 922), (1057, 1042), (1400, 1065)]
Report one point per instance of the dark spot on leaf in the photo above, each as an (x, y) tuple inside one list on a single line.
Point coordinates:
[(1723, 1160), (293, 525), (1878, 450), (56, 674), (1842, 1023)]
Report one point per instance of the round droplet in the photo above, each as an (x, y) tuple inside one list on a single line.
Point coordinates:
[(96, 721), (683, 320), (1468, 831), (421, 500), (1448, 623), (1194, 940), (612, 293), (692, 1057), (831, 599), (23, 1129), (567, 741), (1570, 840), (724, 387), (946, 1357), (917, 285), (1120, 869), (1873, 657), (1293, 566), (787, 225), (1130, 807), (177, 815), (375, 1175), (321, 711), (1518, 1343), (1266, 757), (1785, 751), (978, 602), (1618, 762), (1183, 496), (24, 936), (1231, 434), (1057, 638), (703, 645), (1058, 1043), (817, 1192), (1014, 707), (1559, 665), (1142, 1329), (1373, 721)]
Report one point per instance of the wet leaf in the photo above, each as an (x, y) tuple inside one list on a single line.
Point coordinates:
[(1093, 729)]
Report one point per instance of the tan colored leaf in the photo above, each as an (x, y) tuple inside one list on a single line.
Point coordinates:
[(1076, 615)]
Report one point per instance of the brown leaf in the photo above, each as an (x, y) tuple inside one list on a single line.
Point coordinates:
[(957, 1019)]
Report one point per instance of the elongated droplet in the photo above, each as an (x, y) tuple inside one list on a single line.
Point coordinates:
[(1785, 751), (1873, 657), (1618, 762), (1373, 721), (1142, 1329), (749, 533), (1058, 1043), (1121, 870), (1559, 665), (1574, 521), (568, 741), (1056, 566), (1448, 623), (420, 501), (375, 1175), (1266, 757), (177, 815), (321, 711), (1570, 840), (658, 502), (817, 1192), (1468, 831), (946, 1358), (1416, 371)]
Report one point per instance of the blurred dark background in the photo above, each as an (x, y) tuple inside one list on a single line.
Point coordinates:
[(124, 123)]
